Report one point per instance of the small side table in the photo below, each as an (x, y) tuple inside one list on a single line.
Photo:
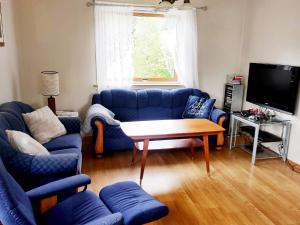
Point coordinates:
[(237, 119), (65, 113)]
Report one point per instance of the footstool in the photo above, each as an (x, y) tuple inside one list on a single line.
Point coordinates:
[(136, 205)]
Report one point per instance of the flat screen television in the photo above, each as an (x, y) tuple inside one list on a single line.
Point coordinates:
[(273, 86)]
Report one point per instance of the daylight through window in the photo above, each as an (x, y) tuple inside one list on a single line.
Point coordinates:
[(153, 49)]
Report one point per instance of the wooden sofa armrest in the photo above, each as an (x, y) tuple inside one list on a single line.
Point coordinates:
[(220, 137), (99, 146)]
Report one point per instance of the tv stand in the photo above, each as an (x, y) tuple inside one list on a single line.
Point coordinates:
[(254, 128)]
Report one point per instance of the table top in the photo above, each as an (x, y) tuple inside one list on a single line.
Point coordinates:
[(261, 122), (156, 129)]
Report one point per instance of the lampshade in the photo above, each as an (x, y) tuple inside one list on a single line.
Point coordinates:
[(50, 83), (164, 5)]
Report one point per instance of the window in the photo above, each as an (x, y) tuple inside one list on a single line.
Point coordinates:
[(152, 57)]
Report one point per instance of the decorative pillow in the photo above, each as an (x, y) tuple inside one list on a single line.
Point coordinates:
[(24, 143), (206, 108), (193, 106), (44, 125), (197, 107)]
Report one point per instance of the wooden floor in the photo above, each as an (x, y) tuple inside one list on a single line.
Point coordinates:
[(235, 193)]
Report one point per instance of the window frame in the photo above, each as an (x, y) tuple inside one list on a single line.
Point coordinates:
[(157, 80)]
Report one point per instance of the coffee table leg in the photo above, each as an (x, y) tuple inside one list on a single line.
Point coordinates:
[(135, 151), (193, 148), (144, 158), (206, 152)]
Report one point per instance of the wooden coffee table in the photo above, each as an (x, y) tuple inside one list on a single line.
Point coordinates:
[(147, 131)]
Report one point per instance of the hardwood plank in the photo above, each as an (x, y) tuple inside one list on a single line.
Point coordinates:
[(235, 193)]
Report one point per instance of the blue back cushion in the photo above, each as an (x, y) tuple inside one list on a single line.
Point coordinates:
[(148, 104), (11, 122), (15, 207), (154, 104), (121, 102), (17, 108)]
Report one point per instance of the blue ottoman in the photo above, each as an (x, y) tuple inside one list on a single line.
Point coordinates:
[(136, 205)]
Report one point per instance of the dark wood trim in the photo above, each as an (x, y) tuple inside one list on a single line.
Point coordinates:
[(51, 104)]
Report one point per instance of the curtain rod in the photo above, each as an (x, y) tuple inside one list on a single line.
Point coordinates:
[(93, 3)]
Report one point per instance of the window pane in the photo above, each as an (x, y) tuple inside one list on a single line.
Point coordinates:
[(150, 57)]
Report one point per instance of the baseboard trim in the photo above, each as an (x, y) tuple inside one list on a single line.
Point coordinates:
[(294, 166)]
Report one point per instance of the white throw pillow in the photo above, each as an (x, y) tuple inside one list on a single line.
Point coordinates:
[(24, 143), (44, 125)]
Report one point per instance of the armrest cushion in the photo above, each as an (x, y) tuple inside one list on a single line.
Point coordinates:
[(217, 114), (72, 124), (113, 219), (56, 164), (58, 186)]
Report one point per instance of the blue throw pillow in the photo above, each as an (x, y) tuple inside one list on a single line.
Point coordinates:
[(206, 108), (193, 106), (197, 107)]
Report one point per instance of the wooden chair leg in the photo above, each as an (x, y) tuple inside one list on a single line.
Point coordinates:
[(99, 147)]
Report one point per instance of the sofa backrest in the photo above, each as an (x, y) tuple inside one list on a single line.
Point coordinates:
[(148, 104), (15, 207), (15, 109), (122, 102), (9, 121)]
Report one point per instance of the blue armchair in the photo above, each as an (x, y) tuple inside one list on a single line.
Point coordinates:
[(121, 203), (32, 171)]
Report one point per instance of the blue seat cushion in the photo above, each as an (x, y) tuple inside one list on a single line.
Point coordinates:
[(80, 208), (63, 142), (137, 206)]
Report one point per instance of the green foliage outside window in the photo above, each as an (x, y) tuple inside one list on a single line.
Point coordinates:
[(148, 57)]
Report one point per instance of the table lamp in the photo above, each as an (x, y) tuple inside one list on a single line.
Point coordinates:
[(50, 87)]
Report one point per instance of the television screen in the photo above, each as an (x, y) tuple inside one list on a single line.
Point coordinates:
[(274, 86)]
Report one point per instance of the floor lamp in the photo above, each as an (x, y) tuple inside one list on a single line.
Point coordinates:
[(50, 87)]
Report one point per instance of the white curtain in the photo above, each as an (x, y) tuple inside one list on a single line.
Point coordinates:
[(114, 27), (182, 24)]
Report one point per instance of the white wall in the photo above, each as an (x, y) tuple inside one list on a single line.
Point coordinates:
[(220, 44), (272, 35), (9, 69), (59, 35)]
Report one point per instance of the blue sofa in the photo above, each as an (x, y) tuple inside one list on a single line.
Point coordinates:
[(132, 105), (32, 171)]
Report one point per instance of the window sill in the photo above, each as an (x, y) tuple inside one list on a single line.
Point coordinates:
[(156, 84)]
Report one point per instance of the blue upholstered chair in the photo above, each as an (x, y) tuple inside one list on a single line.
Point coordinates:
[(121, 203), (32, 171)]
